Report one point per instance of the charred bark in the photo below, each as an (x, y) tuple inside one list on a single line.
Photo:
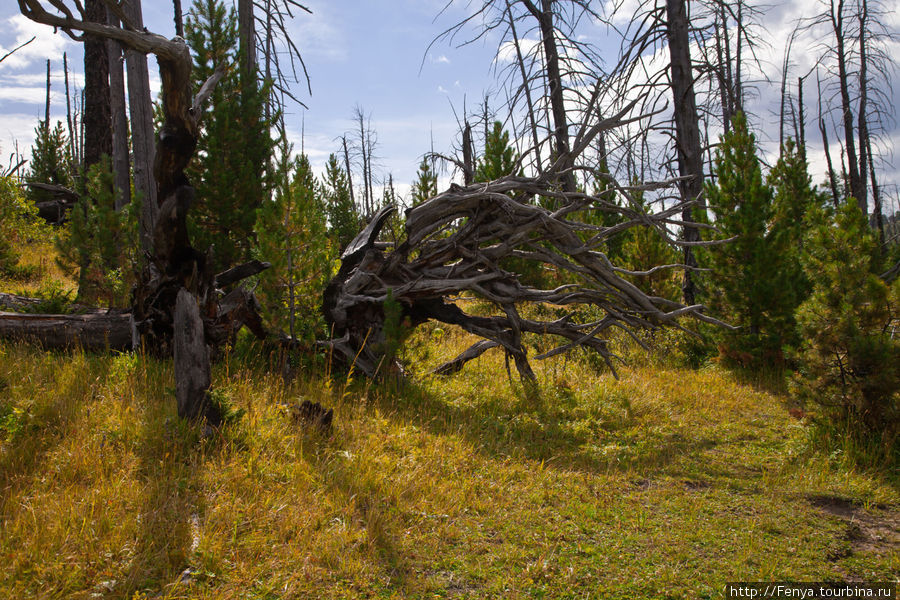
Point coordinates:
[(95, 331), (176, 307)]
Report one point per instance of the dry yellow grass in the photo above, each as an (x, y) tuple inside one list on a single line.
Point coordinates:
[(666, 484)]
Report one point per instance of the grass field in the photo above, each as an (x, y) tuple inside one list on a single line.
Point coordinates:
[(667, 483)]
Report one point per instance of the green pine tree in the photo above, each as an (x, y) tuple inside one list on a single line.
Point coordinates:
[(793, 198), (499, 157), (292, 229), (100, 245), (343, 219), (850, 359), (50, 159), (642, 249), (741, 287), (425, 186), (234, 149)]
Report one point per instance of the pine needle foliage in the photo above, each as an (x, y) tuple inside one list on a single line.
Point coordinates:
[(99, 245), (50, 159), (850, 359), (19, 224), (229, 167), (343, 218), (292, 230), (741, 287)]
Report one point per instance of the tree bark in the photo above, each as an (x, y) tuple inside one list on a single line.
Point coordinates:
[(687, 131), (121, 163), (544, 16), (191, 360), (857, 190), (142, 134), (96, 332), (97, 116)]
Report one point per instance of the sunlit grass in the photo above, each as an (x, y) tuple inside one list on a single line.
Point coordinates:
[(667, 482)]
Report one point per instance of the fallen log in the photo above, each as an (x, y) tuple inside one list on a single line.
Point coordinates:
[(95, 332)]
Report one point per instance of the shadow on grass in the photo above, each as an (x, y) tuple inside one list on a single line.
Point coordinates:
[(172, 455), (547, 426), (37, 429), (374, 509)]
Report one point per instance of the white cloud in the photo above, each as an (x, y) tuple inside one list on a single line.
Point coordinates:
[(46, 43), (442, 59), (317, 34), (506, 53)]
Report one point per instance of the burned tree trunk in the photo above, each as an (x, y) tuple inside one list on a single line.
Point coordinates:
[(94, 331), (175, 304)]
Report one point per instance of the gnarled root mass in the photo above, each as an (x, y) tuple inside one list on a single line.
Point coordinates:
[(458, 243)]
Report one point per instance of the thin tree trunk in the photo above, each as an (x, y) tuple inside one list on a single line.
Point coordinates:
[(142, 134), (120, 159), (178, 17), (526, 87), (832, 180), (97, 117), (801, 133), (544, 16), (876, 198), (47, 104), (247, 34), (728, 113), (687, 131), (69, 109), (837, 22), (723, 68), (347, 168), (468, 159), (862, 121), (738, 82)]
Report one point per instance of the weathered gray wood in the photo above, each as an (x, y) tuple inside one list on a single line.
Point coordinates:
[(471, 353), (235, 274), (121, 163), (456, 242), (687, 130), (142, 134), (191, 359), (91, 331)]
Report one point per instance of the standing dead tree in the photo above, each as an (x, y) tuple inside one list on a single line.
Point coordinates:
[(177, 305), (460, 240)]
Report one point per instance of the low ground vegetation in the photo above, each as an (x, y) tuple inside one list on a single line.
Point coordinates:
[(668, 482)]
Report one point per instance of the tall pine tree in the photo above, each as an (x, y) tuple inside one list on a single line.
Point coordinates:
[(741, 287), (343, 219), (499, 157), (292, 236), (425, 186), (235, 147), (793, 199)]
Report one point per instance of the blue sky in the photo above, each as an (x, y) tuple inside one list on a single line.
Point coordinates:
[(373, 54)]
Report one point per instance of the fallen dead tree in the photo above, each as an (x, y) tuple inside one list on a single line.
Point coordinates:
[(458, 243)]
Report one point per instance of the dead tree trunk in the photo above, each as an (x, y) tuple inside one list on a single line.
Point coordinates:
[(97, 117), (121, 163), (687, 131), (175, 304), (142, 134), (91, 331)]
